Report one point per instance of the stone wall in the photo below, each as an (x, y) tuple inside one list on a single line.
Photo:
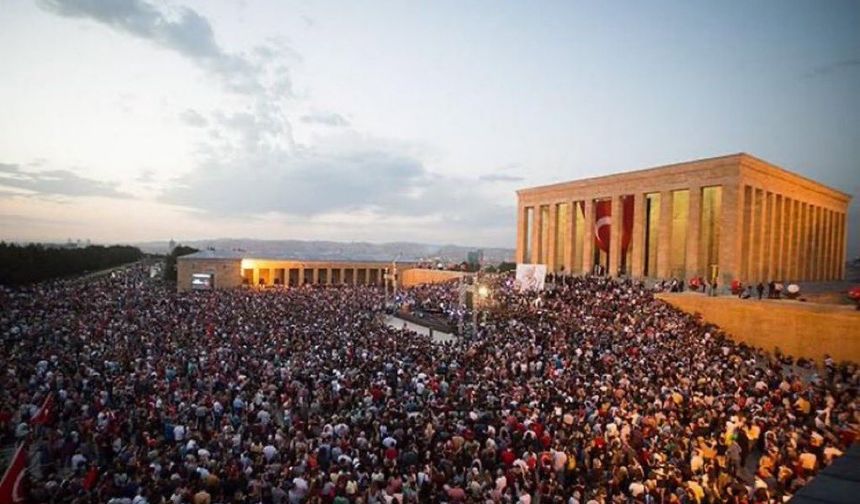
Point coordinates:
[(228, 273), (799, 329), (417, 276)]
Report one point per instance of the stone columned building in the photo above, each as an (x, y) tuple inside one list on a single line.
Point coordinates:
[(731, 218)]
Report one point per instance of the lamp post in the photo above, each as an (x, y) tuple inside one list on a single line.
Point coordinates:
[(480, 293), (385, 277), (391, 275)]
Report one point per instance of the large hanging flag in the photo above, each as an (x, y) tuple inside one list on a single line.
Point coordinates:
[(12, 485), (627, 223), (602, 224)]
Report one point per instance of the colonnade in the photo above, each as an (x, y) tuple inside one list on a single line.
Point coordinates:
[(790, 238), (296, 276), (729, 232)]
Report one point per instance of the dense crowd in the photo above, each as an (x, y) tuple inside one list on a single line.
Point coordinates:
[(440, 299), (593, 392)]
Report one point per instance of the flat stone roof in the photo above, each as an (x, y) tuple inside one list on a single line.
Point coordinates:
[(235, 255), (741, 159)]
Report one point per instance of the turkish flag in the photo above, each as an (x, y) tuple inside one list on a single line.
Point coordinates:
[(43, 416), (12, 484), (602, 224), (626, 223)]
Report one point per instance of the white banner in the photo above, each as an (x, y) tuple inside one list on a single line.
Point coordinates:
[(530, 277)]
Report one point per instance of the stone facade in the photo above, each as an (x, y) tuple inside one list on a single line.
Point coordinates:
[(231, 272), (418, 276), (734, 217)]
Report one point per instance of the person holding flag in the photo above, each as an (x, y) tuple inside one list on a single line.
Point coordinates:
[(12, 486), (45, 413)]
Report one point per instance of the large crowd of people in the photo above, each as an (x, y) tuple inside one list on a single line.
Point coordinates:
[(593, 392)]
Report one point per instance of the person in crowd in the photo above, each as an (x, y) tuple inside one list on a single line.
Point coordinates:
[(600, 393)]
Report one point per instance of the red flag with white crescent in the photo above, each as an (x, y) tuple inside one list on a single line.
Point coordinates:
[(602, 224), (12, 485)]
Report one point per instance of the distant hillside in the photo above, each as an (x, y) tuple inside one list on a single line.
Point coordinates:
[(329, 250)]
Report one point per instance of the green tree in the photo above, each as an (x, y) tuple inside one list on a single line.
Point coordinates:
[(170, 262), (23, 264)]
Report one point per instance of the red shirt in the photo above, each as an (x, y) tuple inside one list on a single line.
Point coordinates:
[(508, 457)]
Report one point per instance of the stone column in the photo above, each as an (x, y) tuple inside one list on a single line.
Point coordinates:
[(570, 257), (694, 233), (616, 224), (552, 229), (315, 276), (768, 233), (797, 240), (842, 246), (521, 234), (834, 245), (811, 258), (825, 257), (730, 233), (536, 235), (825, 243), (834, 237), (664, 235), (786, 239), (826, 239), (813, 243), (588, 237), (805, 241), (794, 232), (779, 243), (753, 255), (832, 248), (637, 241)]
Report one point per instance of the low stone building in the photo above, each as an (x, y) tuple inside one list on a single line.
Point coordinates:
[(209, 269)]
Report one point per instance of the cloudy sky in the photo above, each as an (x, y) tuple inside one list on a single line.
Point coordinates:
[(129, 120)]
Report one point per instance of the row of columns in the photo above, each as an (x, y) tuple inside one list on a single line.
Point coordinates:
[(331, 276), (790, 239), (636, 266), (764, 235)]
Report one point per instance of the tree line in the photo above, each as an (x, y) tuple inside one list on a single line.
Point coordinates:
[(23, 264), (170, 261)]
